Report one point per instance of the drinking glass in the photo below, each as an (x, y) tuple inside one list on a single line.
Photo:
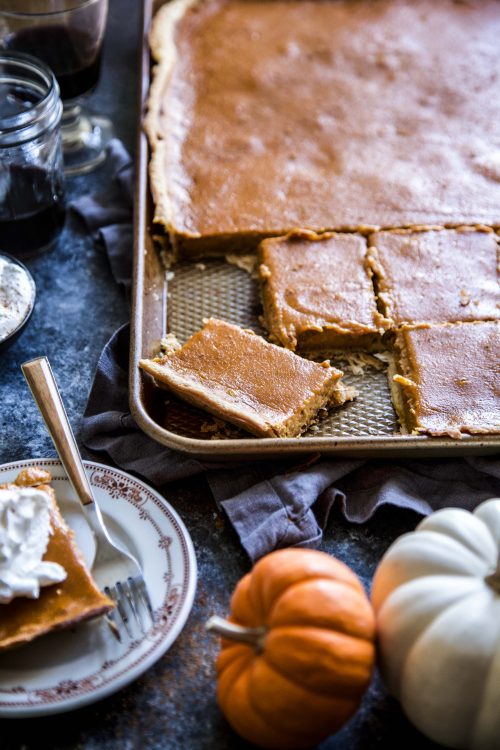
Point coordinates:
[(67, 35)]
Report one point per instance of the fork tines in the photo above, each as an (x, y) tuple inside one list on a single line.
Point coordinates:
[(131, 598)]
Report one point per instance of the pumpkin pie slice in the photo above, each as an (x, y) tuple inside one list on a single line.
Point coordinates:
[(238, 376), (442, 276), (60, 605), (448, 378), (325, 114), (317, 292)]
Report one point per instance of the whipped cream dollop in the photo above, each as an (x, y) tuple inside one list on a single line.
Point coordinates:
[(16, 296), (25, 528)]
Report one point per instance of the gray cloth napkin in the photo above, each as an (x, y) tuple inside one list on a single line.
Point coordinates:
[(109, 216), (269, 504)]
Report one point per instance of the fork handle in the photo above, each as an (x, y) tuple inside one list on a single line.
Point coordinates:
[(43, 386)]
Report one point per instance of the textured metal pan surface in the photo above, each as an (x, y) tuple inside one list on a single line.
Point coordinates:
[(215, 288)]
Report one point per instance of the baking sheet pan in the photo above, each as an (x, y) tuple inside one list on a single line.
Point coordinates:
[(178, 302)]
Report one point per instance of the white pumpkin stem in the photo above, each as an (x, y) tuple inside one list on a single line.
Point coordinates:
[(251, 636), (493, 580)]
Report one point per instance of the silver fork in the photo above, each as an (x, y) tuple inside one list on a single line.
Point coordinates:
[(116, 571)]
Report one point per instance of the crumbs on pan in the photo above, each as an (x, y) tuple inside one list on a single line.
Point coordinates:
[(167, 258), (170, 344), (165, 251), (355, 362), (218, 429), (247, 262)]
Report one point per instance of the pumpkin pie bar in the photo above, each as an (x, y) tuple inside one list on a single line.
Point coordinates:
[(436, 276), (238, 376), (448, 378), (59, 605), (317, 292), (325, 114)]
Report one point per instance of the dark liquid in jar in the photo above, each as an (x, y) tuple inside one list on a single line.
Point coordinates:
[(73, 55), (31, 209)]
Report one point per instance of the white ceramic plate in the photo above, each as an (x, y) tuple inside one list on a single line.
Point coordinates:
[(71, 668)]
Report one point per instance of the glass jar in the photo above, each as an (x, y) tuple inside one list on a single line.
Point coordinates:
[(31, 169)]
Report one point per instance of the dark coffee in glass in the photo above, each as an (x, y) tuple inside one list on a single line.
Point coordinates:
[(31, 176), (72, 54), (31, 211)]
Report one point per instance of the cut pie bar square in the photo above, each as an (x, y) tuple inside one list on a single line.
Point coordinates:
[(448, 378), (442, 276), (238, 376), (317, 292), (59, 605)]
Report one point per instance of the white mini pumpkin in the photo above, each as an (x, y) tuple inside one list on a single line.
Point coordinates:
[(436, 594)]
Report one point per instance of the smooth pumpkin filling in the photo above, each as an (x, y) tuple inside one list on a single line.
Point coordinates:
[(437, 276), (443, 391), (353, 115), (317, 292)]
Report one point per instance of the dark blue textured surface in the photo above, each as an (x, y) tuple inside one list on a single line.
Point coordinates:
[(173, 704)]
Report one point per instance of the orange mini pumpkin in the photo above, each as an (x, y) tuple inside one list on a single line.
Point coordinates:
[(298, 649)]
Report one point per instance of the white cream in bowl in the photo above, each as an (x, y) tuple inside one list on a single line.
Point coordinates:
[(17, 295)]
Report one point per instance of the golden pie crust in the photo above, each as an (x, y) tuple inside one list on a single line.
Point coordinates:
[(63, 604), (322, 114), (238, 376)]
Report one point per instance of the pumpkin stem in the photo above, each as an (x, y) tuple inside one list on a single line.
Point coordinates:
[(493, 580), (232, 632)]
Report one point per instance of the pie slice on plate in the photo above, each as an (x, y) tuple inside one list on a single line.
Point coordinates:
[(62, 603)]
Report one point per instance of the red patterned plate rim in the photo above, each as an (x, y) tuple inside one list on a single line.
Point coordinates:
[(171, 612)]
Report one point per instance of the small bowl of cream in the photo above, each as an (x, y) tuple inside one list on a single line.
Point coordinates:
[(17, 299)]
